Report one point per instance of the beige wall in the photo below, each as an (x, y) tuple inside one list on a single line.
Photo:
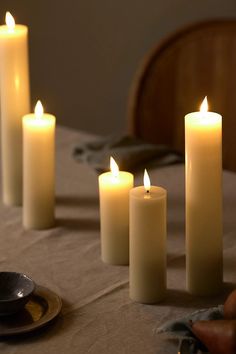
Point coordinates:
[(84, 53)]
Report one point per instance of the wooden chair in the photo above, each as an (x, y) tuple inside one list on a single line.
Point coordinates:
[(175, 76)]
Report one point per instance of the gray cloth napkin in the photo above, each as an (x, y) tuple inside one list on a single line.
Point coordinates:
[(181, 329), (129, 152)]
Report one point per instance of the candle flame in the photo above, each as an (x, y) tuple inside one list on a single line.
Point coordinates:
[(204, 106), (38, 110), (114, 167), (10, 22), (146, 181)]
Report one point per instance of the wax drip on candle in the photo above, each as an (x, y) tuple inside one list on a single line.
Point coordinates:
[(114, 169), (10, 22), (38, 110), (146, 182)]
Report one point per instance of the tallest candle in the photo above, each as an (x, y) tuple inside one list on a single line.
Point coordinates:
[(203, 201), (15, 102)]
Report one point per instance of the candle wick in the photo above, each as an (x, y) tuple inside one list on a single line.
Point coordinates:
[(147, 194)]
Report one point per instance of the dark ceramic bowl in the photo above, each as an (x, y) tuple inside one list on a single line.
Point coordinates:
[(15, 292)]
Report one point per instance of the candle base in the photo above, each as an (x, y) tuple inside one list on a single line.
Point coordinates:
[(116, 261), (115, 243), (11, 202), (147, 282), (205, 282), (39, 225), (205, 293), (210, 290), (151, 300)]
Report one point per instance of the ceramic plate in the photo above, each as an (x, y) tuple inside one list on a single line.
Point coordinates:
[(42, 308)]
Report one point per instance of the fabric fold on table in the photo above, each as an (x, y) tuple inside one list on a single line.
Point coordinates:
[(129, 152), (100, 294)]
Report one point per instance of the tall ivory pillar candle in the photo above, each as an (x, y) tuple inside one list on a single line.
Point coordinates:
[(147, 243), (38, 169), (203, 201), (114, 190), (15, 102)]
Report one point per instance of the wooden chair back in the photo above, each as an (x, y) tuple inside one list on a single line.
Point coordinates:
[(175, 77)]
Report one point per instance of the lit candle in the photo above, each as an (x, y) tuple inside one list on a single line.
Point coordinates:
[(15, 102), (114, 187), (203, 201), (38, 169), (147, 243)]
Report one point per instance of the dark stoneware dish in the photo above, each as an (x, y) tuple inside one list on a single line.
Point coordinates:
[(15, 291), (42, 308)]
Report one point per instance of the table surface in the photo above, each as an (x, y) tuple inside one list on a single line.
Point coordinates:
[(97, 314)]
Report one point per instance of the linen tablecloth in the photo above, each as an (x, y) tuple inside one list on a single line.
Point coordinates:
[(97, 314)]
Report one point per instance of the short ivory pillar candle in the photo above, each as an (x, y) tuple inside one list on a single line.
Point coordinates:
[(203, 201), (38, 169), (114, 187), (15, 102), (147, 243)]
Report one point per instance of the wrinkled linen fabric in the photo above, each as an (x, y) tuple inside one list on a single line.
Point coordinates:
[(97, 314), (130, 153)]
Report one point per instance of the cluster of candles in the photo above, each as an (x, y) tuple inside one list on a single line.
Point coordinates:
[(27, 139), (133, 220), (133, 231)]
